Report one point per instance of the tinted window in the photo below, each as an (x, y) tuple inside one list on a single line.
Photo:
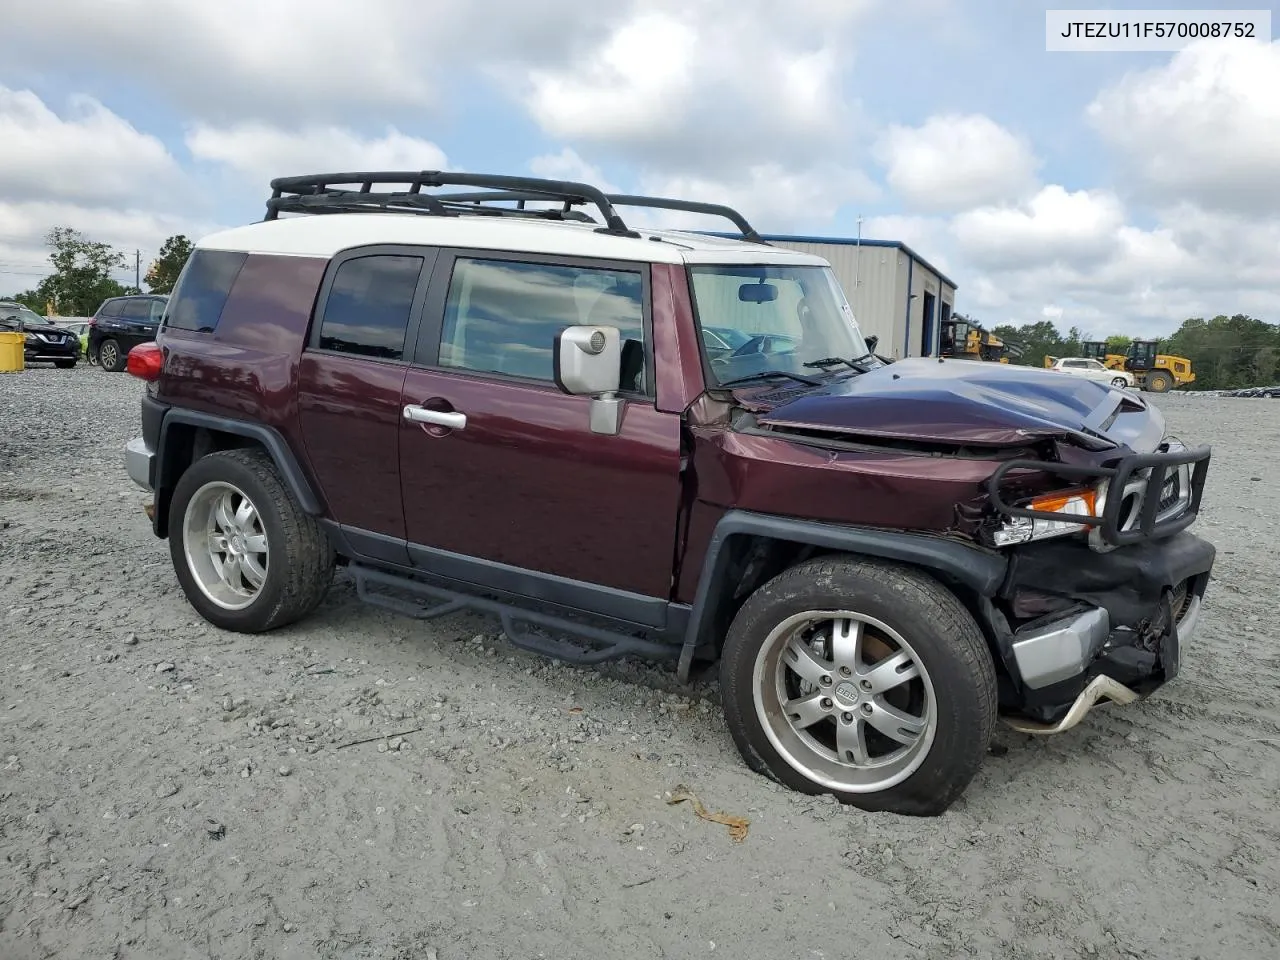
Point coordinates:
[(111, 308), (137, 310), (202, 289), (367, 310), (503, 317)]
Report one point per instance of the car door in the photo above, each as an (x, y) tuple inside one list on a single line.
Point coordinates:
[(508, 487), (137, 323), (350, 378)]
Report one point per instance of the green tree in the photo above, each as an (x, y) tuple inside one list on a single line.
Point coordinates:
[(29, 299), (1118, 343), (164, 270), (1227, 353), (81, 277)]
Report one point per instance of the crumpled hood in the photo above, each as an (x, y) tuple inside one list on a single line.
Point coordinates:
[(967, 402)]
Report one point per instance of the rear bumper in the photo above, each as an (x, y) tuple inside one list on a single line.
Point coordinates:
[(1097, 626), (139, 463)]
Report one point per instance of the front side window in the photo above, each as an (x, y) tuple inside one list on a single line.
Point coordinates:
[(503, 316), (780, 319), (367, 310)]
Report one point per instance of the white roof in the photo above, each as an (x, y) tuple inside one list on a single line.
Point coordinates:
[(323, 235)]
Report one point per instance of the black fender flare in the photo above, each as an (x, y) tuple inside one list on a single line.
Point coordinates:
[(981, 570), (272, 441)]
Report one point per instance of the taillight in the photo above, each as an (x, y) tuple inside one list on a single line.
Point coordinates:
[(145, 362)]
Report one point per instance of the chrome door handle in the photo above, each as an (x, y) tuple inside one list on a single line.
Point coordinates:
[(453, 420)]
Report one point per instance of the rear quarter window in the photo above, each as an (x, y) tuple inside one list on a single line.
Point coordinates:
[(201, 292)]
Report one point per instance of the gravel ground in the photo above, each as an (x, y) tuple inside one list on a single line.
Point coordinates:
[(171, 791)]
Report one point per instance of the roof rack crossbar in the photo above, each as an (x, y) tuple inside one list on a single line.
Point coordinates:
[(328, 186), (690, 206), (349, 200), (442, 205)]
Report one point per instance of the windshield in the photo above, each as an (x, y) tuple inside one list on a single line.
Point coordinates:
[(773, 319), (25, 314)]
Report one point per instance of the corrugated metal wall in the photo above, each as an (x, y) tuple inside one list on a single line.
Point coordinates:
[(879, 296), (874, 299)]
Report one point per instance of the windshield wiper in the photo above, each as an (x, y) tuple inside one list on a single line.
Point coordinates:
[(769, 375), (855, 363)]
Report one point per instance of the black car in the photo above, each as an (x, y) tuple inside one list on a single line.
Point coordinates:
[(45, 342), (120, 324)]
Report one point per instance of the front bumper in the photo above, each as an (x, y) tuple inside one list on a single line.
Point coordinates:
[(139, 462), (47, 353), (1092, 626)]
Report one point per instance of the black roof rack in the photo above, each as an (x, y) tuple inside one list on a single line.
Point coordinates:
[(712, 209), (354, 192)]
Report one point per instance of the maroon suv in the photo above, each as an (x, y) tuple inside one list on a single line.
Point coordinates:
[(490, 398)]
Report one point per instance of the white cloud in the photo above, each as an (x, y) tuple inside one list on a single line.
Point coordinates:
[(569, 165), (626, 90), (773, 198), (303, 60), (90, 154), (1149, 282), (260, 152), (1203, 127), (88, 169), (956, 161), (709, 89), (24, 258), (1054, 226)]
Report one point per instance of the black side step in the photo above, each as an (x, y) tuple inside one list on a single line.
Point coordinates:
[(610, 645)]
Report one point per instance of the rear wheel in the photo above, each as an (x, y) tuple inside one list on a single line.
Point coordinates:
[(866, 680), (110, 357), (247, 556), (1159, 382)]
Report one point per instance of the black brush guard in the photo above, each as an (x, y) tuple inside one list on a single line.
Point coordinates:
[(1118, 477)]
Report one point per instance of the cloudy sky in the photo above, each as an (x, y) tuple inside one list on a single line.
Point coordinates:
[(1117, 192)]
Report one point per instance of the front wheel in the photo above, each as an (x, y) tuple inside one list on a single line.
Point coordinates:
[(1120, 383), (863, 679), (247, 556)]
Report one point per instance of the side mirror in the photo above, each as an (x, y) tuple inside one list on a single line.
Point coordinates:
[(873, 341), (588, 362)]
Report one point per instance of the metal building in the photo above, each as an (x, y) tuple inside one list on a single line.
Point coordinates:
[(895, 293)]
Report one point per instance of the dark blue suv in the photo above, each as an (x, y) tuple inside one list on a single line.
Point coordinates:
[(120, 324)]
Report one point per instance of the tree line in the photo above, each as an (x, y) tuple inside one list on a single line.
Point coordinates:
[(1226, 353), (82, 268)]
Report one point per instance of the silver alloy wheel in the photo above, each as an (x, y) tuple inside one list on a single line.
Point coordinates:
[(225, 545), (1120, 382), (842, 721), (107, 354)]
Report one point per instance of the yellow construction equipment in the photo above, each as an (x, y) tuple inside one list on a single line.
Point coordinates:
[(1154, 371), (963, 339)]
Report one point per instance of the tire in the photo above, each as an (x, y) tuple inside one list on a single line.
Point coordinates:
[(1120, 383), (1159, 382), (111, 357), (64, 364), (951, 697), (294, 567)]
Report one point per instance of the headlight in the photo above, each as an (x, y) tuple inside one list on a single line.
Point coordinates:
[(1080, 502)]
